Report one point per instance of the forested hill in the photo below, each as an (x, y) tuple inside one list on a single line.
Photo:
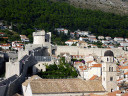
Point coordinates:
[(44, 14)]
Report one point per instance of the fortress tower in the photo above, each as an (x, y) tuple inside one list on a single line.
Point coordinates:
[(39, 37), (109, 72)]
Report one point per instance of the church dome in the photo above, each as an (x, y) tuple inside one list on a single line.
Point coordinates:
[(108, 53)]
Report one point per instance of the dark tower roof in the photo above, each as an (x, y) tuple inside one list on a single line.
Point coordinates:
[(108, 53)]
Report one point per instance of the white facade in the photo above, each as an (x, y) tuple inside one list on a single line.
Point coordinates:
[(83, 33), (105, 41), (108, 38), (83, 38), (39, 37), (92, 39), (109, 80), (88, 58), (59, 30), (87, 74), (118, 39), (5, 46), (27, 90), (100, 37), (69, 42), (124, 44), (91, 36), (24, 38), (126, 39)]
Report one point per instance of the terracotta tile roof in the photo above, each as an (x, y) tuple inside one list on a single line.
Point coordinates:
[(96, 65), (119, 79), (126, 73), (93, 77), (69, 41), (82, 69), (89, 61), (19, 47), (120, 66), (125, 94), (5, 45), (5, 37), (81, 66), (2, 33), (125, 62), (78, 62), (30, 79), (45, 86), (113, 93), (82, 42), (20, 44), (124, 67)]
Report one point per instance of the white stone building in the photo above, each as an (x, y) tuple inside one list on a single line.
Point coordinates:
[(109, 73), (101, 37), (62, 30), (69, 42), (124, 44), (118, 39), (82, 44), (24, 38), (108, 38)]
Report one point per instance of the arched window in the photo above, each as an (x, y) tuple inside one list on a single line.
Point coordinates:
[(110, 69), (111, 90)]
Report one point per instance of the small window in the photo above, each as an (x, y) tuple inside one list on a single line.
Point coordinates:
[(104, 78), (107, 59), (111, 90), (110, 69), (111, 78)]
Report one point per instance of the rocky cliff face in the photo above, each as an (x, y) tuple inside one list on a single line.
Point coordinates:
[(114, 6)]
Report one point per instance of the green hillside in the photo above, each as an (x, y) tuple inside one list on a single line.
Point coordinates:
[(44, 14)]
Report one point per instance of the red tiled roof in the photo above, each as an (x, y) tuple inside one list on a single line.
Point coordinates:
[(2, 33), (5, 37), (93, 77), (78, 62), (124, 67), (125, 94), (89, 61), (114, 93), (81, 66), (69, 41), (97, 65), (119, 79), (126, 73)]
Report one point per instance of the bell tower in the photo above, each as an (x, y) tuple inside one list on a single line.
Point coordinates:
[(109, 73)]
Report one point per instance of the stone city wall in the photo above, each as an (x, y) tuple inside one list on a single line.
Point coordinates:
[(15, 86), (74, 50)]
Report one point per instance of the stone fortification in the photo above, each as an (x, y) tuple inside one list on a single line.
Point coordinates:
[(74, 50), (39, 37), (5, 83), (22, 66)]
